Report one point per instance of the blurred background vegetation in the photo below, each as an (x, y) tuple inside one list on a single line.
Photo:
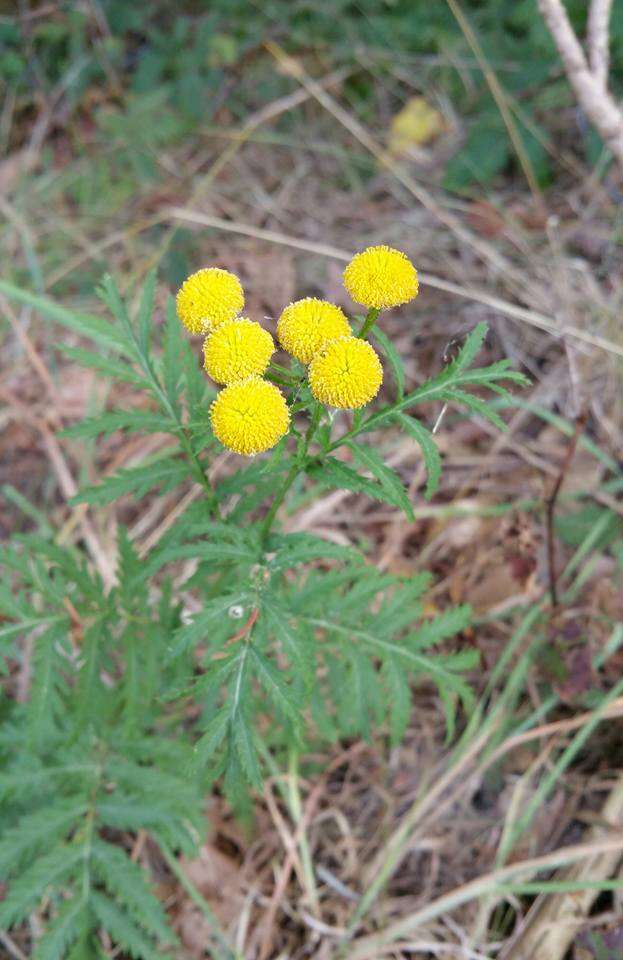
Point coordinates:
[(104, 91)]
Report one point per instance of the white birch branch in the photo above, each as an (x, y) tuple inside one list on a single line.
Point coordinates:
[(591, 91), (599, 39)]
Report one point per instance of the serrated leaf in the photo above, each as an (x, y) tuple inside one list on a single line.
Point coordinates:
[(123, 930), (62, 931), (212, 612), (145, 311), (441, 627), (126, 881), (172, 358), (470, 349), (219, 553), (388, 478), (476, 405), (165, 473), (88, 325), (393, 358), (112, 367), (42, 691), (38, 829), (274, 683), (242, 735), (47, 871), (430, 451), (294, 548), (135, 421), (212, 738), (399, 699), (296, 642), (335, 473)]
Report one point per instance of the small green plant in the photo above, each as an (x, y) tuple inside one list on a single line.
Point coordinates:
[(136, 705)]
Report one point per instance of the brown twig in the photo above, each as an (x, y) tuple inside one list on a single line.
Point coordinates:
[(550, 508)]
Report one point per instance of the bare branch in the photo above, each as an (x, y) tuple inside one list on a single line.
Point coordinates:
[(594, 98), (599, 40)]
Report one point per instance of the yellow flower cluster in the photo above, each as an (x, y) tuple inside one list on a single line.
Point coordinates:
[(250, 415), (237, 349), (346, 374), (306, 326), (208, 298), (381, 277)]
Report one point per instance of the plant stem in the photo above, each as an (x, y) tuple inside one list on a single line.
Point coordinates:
[(199, 472), (297, 465), (371, 318)]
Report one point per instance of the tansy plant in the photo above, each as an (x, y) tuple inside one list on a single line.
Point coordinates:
[(226, 644)]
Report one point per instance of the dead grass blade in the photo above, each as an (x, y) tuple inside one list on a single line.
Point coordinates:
[(373, 946), (532, 317)]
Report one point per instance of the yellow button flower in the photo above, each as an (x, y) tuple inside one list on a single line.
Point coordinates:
[(307, 325), (208, 298), (236, 350), (250, 416), (346, 374), (381, 277)]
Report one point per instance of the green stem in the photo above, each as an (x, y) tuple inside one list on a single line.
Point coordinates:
[(199, 472), (371, 318), (296, 467)]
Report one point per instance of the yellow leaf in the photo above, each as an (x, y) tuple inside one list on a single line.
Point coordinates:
[(416, 124)]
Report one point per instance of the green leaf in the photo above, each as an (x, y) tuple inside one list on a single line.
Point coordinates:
[(295, 640), (166, 473), (38, 830), (294, 548), (430, 451), (43, 694), (399, 698), (136, 421), (444, 625), (246, 750), (145, 311), (123, 930), (62, 931), (475, 405), (126, 880), (174, 347), (108, 366), (388, 478), (335, 473), (215, 733), (274, 683), (88, 325), (216, 610), (393, 358), (218, 554), (45, 873)]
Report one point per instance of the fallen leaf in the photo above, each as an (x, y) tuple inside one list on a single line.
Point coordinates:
[(415, 125)]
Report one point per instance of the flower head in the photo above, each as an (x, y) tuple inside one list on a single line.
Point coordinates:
[(346, 374), (381, 277), (307, 325), (236, 350), (250, 416), (208, 298)]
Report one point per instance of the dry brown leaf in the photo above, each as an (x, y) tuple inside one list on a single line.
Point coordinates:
[(415, 125), (218, 878)]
